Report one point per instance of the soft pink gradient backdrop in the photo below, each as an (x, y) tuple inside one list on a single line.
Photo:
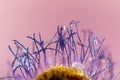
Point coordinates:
[(19, 18)]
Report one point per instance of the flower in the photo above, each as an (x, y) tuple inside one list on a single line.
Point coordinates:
[(67, 56), (61, 73)]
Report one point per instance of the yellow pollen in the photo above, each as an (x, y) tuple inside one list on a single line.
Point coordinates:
[(61, 73)]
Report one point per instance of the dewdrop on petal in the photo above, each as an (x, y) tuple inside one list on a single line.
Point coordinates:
[(78, 66), (64, 27), (24, 51)]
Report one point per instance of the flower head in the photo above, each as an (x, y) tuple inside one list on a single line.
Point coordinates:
[(67, 56)]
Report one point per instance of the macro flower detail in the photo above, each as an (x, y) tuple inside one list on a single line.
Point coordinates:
[(66, 56), (61, 73)]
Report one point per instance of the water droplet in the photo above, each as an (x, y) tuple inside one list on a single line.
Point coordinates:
[(79, 66)]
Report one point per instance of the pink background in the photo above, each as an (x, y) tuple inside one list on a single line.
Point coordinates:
[(19, 18)]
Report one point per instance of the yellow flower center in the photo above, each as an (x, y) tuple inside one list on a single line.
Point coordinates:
[(61, 73)]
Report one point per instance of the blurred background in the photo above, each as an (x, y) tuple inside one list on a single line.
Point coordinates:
[(19, 18)]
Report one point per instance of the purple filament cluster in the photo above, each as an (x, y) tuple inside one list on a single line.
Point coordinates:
[(64, 48)]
